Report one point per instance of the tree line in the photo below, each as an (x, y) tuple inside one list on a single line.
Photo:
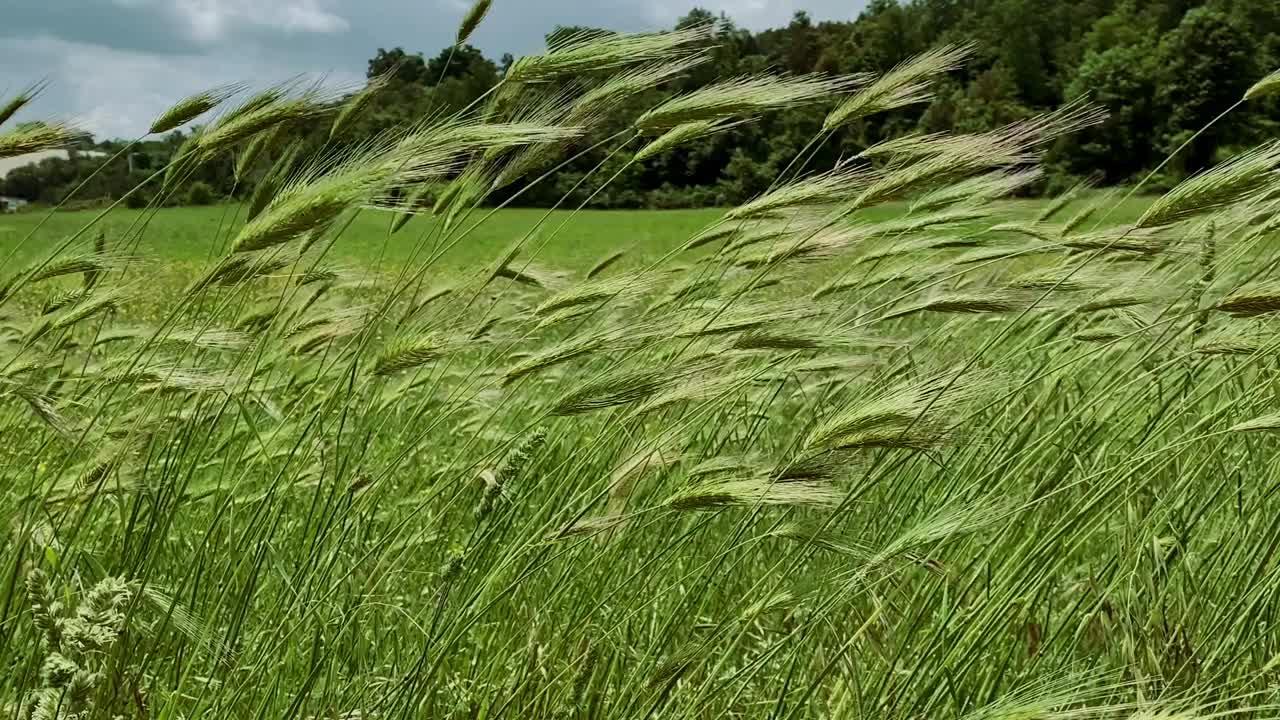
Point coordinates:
[(1164, 69)]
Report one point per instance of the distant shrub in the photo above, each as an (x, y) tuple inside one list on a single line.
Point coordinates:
[(1161, 182), (138, 200), (1053, 184), (200, 194)]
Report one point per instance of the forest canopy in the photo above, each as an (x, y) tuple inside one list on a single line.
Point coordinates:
[(1163, 69)]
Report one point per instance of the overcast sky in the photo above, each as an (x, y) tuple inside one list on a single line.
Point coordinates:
[(113, 65)]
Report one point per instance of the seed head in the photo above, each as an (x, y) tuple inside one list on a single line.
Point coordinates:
[(743, 97), (190, 108), (680, 135), (906, 84), (1264, 87), (594, 51), (407, 354), (19, 101), (354, 107), (832, 187), (605, 263), (1257, 300), (915, 415), (36, 137), (1230, 182), (760, 491), (618, 388), (475, 15)]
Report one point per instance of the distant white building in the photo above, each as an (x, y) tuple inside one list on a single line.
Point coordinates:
[(11, 204)]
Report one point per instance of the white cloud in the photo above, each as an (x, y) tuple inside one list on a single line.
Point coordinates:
[(117, 93), (210, 21)]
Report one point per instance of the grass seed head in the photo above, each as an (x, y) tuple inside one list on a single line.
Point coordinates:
[(184, 161), (1011, 145), (564, 352), (1102, 334), (518, 460), (995, 300), (417, 200), (699, 388), (679, 135), (917, 414), (596, 291), (976, 190), (745, 97), (588, 527), (306, 207), (1264, 87), (1058, 204), (475, 15), (828, 188), (1265, 423), (241, 126), (15, 104), (190, 108), (1230, 182), (355, 107), (954, 163), (40, 404), (593, 51), (1075, 222), (64, 299), (256, 101), (407, 354), (37, 137), (434, 295), (750, 493), (615, 389), (605, 263), (906, 84), (1114, 300), (600, 101), (234, 271), (741, 318), (270, 185), (1260, 299)]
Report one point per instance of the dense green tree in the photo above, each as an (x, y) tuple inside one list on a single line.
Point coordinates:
[(573, 33), (458, 63), (1121, 79), (409, 67), (1163, 69), (802, 44), (1205, 66)]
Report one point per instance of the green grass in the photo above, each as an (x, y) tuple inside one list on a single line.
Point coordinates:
[(193, 235), (190, 234), (944, 464)]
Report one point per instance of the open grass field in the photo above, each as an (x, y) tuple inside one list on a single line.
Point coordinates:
[(191, 235), (184, 238), (877, 443)]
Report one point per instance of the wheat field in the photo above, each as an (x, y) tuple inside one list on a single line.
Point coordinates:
[(875, 444)]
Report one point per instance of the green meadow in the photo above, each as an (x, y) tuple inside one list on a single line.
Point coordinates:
[(189, 236), (878, 442)]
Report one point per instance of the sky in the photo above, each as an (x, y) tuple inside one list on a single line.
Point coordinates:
[(114, 65)]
